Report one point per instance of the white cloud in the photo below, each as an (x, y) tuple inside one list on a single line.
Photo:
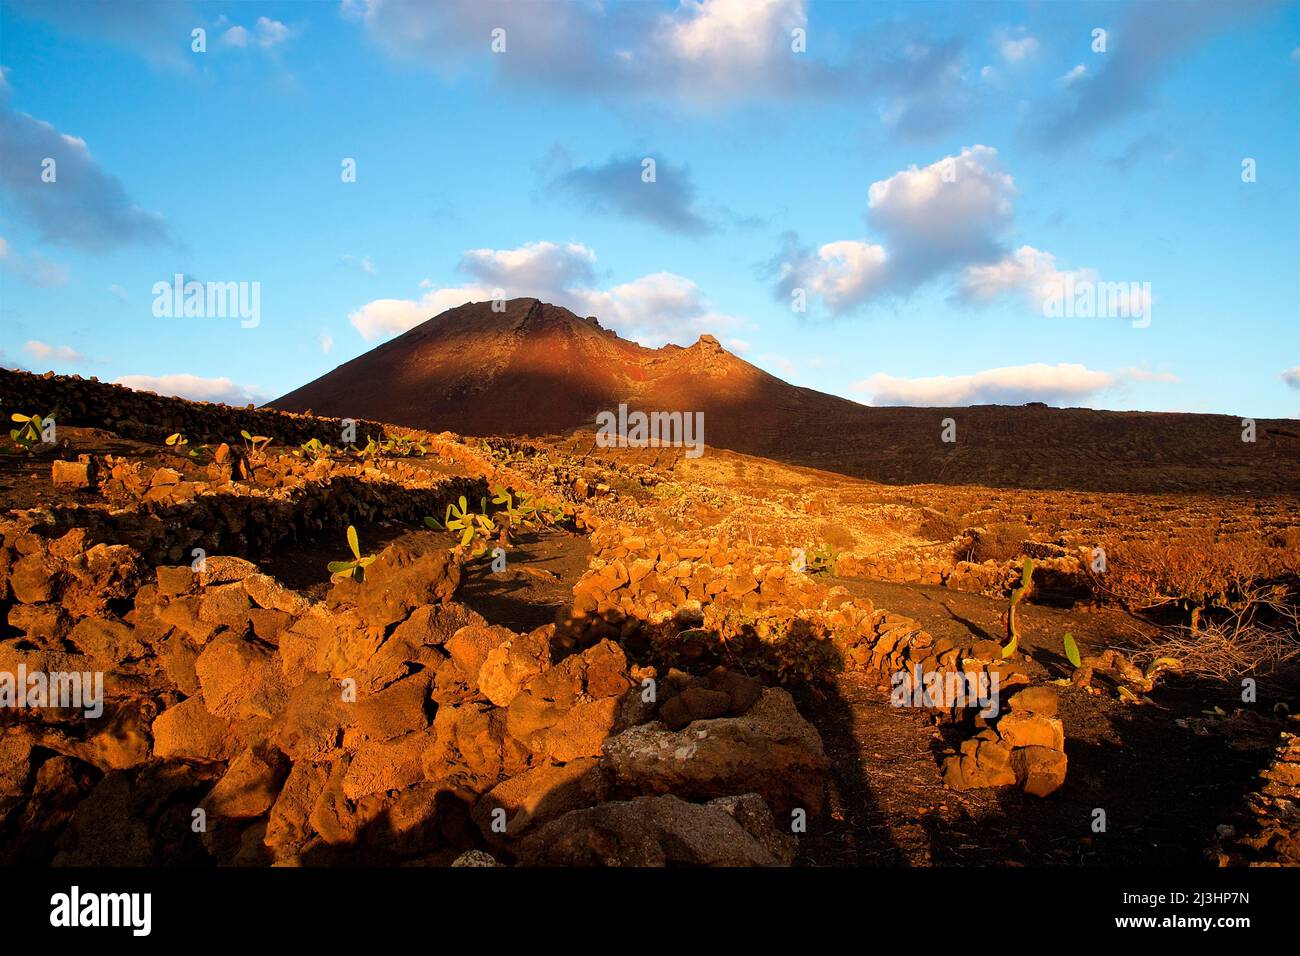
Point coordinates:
[(932, 220), (725, 47), (1076, 73), (64, 354), (271, 32), (236, 36), (1012, 385), (195, 388), (1028, 271), (546, 266), (699, 53), (326, 343), (266, 34), (655, 309), (954, 203), (1032, 273), (1292, 377), (119, 293), (1018, 50), (848, 272), (652, 309)]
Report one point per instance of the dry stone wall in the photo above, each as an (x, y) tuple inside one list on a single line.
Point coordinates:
[(386, 722), (88, 402), (703, 602)]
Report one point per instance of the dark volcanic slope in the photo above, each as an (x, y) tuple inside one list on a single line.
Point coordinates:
[(537, 369)]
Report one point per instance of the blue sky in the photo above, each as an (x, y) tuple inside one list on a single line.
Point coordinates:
[(922, 175)]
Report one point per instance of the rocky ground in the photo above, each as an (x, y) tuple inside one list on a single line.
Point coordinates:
[(671, 661)]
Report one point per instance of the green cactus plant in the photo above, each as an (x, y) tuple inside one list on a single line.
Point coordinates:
[(32, 432), (821, 561), (178, 441), (1072, 651), (314, 448), (1018, 595), (460, 520), (255, 443), (357, 566)]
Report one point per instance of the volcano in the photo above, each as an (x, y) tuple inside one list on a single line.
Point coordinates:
[(535, 369)]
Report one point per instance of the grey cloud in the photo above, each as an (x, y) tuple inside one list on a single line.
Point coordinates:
[(85, 206), (1119, 82), (615, 188)]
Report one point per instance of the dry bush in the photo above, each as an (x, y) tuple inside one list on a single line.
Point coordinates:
[(837, 536), (1286, 538), (939, 525), (1261, 640), (1195, 570), (1000, 541)]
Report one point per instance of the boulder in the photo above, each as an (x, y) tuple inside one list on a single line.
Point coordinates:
[(44, 623), (225, 569), (535, 797), (752, 812), (189, 731), (266, 592), (380, 765), (407, 574), (75, 474), (240, 679), (1039, 770), (335, 817), (289, 827), (694, 703), (314, 719), (1020, 728), (742, 691), (1040, 700), (513, 663), (33, 579), (581, 731), (770, 750), (475, 858), (472, 748), (398, 709), (99, 575), (249, 787), (469, 647), (647, 831), (225, 606), (109, 641)]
